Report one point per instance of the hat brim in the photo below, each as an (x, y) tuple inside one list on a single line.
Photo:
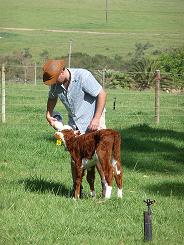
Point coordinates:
[(53, 80)]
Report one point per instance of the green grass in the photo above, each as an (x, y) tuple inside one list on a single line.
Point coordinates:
[(35, 178), (159, 22)]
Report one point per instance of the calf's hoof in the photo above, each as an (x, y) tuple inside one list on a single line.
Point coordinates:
[(93, 194), (103, 188), (120, 193)]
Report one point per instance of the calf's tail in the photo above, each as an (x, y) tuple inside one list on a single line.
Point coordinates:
[(116, 162), (117, 146)]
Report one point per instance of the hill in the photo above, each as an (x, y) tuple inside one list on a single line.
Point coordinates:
[(54, 25)]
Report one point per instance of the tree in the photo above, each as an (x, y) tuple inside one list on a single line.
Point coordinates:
[(142, 73)]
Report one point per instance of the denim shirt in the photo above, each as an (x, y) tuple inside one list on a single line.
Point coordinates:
[(80, 97)]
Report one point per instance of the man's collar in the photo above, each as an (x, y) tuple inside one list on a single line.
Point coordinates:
[(71, 75)]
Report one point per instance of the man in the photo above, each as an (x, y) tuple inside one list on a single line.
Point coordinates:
[(82, 95)]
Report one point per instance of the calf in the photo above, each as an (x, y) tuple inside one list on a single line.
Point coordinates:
[(85, 149)]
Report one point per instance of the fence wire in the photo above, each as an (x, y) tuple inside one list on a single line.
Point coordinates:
[(26, 98)]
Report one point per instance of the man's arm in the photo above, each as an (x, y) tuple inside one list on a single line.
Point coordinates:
[(50, 107), (100, 104)]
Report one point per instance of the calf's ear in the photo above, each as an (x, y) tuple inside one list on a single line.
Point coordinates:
[(57, 135)]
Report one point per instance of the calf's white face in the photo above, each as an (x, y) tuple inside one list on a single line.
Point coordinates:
[(62, 135)]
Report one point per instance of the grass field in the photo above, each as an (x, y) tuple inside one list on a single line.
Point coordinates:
[(159, 22), (35, 179)]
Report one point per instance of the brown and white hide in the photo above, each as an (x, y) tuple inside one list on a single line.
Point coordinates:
[(102, 145)]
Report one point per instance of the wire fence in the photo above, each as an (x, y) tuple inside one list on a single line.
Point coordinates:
[(24, 97)]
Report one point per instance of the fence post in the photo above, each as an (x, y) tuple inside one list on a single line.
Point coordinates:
[(114, 104), (35, 74), (103, 78), (3, 95), (69, 54), (106, 11), (157, 97)]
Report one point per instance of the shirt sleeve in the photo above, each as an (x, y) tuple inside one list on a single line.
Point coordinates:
[(90, 85)]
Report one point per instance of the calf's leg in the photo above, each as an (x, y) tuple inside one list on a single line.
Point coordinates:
[(118, 174), (78, 179), (91, 179), (102, 176), (109, 178), (104, 152), (73, 171)]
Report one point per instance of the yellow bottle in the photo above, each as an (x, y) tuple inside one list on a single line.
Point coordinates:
[(58, 142)]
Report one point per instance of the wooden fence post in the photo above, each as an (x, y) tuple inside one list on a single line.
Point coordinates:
[(35, 74), (103, 78), (114, 104), (157, 97), (69, 54), (3, 95)]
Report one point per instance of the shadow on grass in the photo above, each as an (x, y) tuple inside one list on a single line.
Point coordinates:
[(43, 186), (152, 149), (168, 189), (40, 185)]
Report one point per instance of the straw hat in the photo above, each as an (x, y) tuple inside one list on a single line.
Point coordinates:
[(51, 71)]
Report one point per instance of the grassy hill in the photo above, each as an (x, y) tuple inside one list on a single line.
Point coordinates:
[(159, 22)]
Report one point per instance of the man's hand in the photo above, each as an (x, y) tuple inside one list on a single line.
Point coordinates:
[(51, 120), (94, 124)]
